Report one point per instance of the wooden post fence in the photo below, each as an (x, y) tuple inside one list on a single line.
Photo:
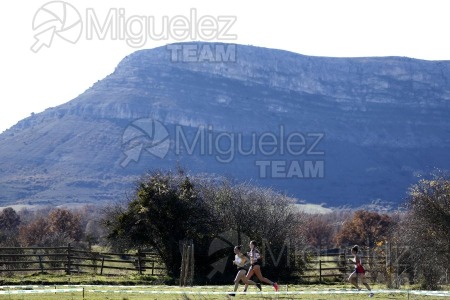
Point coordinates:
[(187, 264), (69, 260)]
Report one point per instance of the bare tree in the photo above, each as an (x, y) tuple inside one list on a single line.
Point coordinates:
[(425, 231)]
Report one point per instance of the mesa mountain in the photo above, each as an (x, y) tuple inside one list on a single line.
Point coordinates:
[(340, 131)]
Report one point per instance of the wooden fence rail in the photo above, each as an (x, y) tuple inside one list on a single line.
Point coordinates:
[(337, 265), (72, 260)]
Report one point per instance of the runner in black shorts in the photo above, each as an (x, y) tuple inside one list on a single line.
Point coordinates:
[(255, 268), (242, 264)]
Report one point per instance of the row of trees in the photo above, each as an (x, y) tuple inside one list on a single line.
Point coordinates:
[(346, 227), (49, 227), (169, 208)]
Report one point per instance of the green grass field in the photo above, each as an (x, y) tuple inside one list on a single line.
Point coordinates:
[(93, 292), (135, 287)]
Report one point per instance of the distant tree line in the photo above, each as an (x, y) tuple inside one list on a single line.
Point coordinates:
[(49, 227), (168, 208)]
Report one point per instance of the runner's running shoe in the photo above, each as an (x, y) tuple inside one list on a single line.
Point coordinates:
[(275, 286)]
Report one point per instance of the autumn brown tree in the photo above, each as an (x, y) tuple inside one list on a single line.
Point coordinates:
[(58, 228), (65, 224), (365, 229), (34, 233)]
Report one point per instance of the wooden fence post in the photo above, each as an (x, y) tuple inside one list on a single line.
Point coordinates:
[(344, 264), (69, 260), (192, 265), (40, 264), (188, 263), (103, 263), (388, 266), (320, 270), (183, 264), (139, 262)]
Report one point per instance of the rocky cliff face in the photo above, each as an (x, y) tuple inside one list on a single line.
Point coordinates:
[(334, 130)]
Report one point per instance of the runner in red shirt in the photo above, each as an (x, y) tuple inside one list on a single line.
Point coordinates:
[(359, 271)]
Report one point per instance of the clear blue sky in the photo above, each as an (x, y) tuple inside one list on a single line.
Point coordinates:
[(32, 82)]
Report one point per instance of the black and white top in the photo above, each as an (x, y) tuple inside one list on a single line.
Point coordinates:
[(255, 257)]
